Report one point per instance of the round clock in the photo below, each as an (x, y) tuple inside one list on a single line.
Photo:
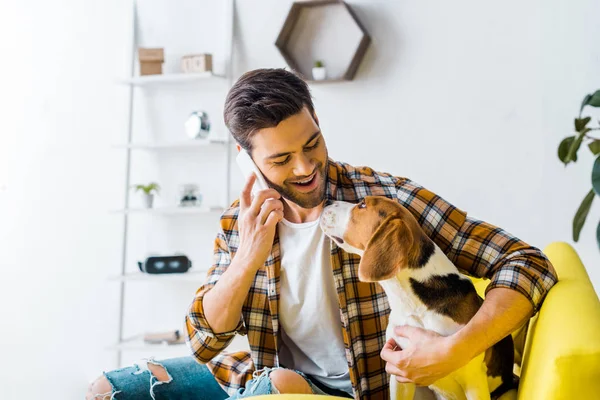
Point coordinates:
[(197, 125)]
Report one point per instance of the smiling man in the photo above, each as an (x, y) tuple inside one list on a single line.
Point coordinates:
[(312, 326)]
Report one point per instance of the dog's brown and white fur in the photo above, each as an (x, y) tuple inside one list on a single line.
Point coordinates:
[(423, 287)]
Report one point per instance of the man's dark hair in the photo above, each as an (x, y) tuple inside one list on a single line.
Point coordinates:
[(262, 99)]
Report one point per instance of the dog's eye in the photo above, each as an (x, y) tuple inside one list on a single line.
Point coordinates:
[(362, 204)]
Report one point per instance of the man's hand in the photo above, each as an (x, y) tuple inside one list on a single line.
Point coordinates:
[(430, 356), (427, 358), (257, 222)]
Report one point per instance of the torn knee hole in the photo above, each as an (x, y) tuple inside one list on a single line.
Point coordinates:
[(158, 374), (158, 371), (101, 389)]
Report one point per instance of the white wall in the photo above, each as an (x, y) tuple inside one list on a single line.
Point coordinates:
[(468, 99)]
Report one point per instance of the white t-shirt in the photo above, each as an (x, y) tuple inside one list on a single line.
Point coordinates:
[(309, 312)]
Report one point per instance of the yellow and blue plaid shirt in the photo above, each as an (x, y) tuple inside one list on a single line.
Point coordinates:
[(476, 248)]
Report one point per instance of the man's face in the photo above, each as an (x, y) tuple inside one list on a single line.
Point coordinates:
[(293, 158)]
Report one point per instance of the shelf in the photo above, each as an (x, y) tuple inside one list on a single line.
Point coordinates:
[(168, 79), (197, 276), (323, 81), (192, 143), (137, 343), (171, 210), (324, 30)]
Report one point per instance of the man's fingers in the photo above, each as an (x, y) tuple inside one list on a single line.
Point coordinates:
[(268, 206), (391, 356), (246, 196), (390, 350), (402, 379), (391, 344), (260, 197), (391, 369), (407, 331), (274, 217)]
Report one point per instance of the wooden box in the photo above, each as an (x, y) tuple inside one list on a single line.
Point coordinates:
[(151, 55), (151, 60), (195, 63)]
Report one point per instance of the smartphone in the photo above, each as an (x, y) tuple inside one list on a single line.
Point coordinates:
[(247, 166)]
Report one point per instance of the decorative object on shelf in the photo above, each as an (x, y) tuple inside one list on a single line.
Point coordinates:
[(197, 126), (312, 31), (149, 191), (151, 61), (567, 153), (170, 337), (319, 72), (195, 63), (175, 264), (190, 197)]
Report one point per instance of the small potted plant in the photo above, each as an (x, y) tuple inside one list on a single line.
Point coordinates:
[(319, 72), (149, 191)]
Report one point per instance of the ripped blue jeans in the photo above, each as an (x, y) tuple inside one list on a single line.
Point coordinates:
[(189, 380), (261, 384)]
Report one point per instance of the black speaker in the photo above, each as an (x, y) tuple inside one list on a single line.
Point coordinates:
[(165, 264)]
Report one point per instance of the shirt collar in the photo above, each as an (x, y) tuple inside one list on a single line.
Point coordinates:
[(332, 182)]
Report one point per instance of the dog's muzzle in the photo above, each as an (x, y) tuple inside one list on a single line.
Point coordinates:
[(334, 220)]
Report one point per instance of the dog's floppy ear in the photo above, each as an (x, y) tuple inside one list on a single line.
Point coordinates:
[(390, 247)]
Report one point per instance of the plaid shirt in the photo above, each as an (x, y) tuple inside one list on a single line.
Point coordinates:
[(476, 248)]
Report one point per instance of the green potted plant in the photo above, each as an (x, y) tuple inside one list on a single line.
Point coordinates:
[(149, 190), (567, 153), (319, 72)]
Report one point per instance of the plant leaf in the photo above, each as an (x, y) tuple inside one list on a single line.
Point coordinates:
[(595, 147), (582, 214), (581, 123), (596, 176), (584, 102), (598, 235), (594, 101), (572, 154), (591, 100), (563, 149)]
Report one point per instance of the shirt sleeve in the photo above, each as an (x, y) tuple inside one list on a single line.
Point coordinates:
[(486, 251), (478, 248), (204, 343)]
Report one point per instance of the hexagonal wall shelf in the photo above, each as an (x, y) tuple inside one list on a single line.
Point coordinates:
[(325, 30)]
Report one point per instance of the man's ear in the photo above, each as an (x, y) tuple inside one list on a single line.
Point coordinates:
[(238, 147), (390, 248)]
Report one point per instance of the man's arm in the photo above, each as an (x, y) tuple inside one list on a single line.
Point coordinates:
[(205, 342), (432, 356), (503, 309), (215, 315)]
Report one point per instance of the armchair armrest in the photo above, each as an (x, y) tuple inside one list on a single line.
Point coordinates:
[(562, 351)]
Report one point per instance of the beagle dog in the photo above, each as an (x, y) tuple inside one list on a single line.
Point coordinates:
[(423, 287)]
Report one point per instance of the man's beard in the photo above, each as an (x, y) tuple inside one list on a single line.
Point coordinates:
[(306, 200)]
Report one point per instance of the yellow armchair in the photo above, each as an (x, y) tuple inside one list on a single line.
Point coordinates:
[(562, 351), (561, 358)]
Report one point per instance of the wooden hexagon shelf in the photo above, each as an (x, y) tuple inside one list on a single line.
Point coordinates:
[(324, 30)]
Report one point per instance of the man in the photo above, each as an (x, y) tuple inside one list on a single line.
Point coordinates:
[(311, 325)]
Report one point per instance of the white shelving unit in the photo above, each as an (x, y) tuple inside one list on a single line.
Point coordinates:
[(168, 211), (170, 79), (186, 144), (218, 140), (137, 343), (197, 276)]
